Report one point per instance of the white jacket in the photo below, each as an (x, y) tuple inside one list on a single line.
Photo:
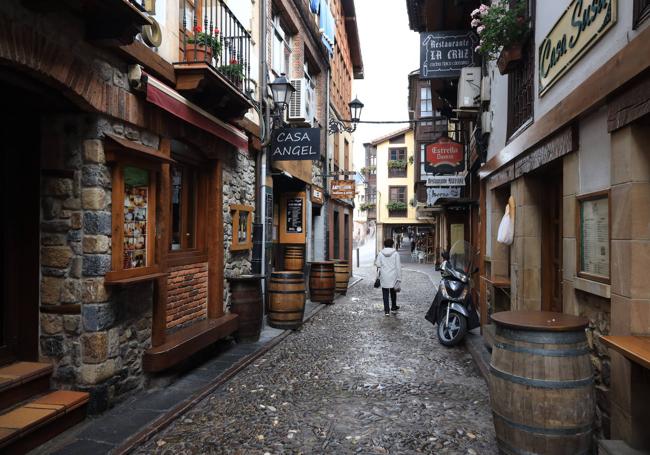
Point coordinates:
[(389, 266)]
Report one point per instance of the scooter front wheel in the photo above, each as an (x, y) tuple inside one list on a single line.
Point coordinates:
[(452, 333)]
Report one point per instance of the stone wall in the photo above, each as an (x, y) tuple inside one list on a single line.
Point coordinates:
[(238, 188), (99, 349)]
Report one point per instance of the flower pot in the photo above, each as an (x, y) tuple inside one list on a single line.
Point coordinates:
[(509, 58), (196, 52)]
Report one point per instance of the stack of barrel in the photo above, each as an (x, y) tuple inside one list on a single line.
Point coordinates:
[(286, 290)]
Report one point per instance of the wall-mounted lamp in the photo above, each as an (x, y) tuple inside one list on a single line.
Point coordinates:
[(281, 90), (337, 126)]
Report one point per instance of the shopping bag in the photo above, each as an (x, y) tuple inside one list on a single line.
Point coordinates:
[(506, 232)]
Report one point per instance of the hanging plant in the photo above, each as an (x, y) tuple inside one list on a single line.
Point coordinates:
[(413, 202), (411, 159), (367, 206), (396, 205), (499, 27), (396, 164)]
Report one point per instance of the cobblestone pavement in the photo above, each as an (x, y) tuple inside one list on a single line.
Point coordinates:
[(349, 381)]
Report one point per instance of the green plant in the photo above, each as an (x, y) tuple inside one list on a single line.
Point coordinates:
[(499, 26), (413, 202), (234, 70), (206, 39), (411, 159), (396, 205), (367, 206), (396, 164)]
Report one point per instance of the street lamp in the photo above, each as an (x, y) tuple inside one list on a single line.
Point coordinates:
[(281, 90), (337, 126)]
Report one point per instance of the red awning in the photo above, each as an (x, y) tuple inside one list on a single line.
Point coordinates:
[(171, 101)]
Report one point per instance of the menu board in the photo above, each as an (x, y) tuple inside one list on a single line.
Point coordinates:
[(594, 236), (242, 230), (136, 199), (294, 215)]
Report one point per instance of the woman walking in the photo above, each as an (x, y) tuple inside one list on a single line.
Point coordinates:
[(390, 275)]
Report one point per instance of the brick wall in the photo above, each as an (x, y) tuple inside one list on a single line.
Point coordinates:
[(187, 300)]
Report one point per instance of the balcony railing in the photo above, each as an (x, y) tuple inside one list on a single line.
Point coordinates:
[(210, 33), (396, 172)]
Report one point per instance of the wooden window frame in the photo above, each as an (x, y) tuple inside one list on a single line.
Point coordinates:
[(579, 200), (390, 199), (235, 210), (118, 272)]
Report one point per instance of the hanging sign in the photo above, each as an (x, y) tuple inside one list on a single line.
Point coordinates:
[(579, 28), (291, 144), (433, 194), (317, 195), (446, 180), (444, 156), (342, 189), (444, 54)]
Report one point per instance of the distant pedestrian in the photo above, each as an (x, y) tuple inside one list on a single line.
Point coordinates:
[(390, 275)]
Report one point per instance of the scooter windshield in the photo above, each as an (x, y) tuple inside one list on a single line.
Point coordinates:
[(462, 257)]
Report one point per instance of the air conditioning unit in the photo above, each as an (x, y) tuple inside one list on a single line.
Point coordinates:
[(486, 122), (302, 104), (486, 85), (469, 87)]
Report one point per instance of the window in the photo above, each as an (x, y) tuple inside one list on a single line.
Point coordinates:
[(281, 52), (397, 194), (397, 162), (521, 85), (183, 211), (593, 236), (242, 217), (426, 107), (641, 11), (397, 154)]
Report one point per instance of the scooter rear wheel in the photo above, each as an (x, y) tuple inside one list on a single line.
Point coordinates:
[(453, 333)]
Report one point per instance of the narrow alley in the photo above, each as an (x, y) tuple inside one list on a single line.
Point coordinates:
[(349, 381)]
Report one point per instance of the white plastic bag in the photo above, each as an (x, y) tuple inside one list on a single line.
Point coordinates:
[(506, 232)]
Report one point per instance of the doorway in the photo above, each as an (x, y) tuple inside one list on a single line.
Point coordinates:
[(19, 235), (551, 205)]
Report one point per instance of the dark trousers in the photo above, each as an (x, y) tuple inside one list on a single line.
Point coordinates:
[(393, 298)]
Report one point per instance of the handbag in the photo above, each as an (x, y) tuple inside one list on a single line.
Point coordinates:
[(398, 286), (377, 281)]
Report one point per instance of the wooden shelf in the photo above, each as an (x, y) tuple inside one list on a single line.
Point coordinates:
[(498, 282), (133, 280), (635, 348)]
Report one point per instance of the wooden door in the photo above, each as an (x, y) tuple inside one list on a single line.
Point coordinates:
[(552, 242), (19, 237)]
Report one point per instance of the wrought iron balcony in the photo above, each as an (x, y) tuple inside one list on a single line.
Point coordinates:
[(211, 34)]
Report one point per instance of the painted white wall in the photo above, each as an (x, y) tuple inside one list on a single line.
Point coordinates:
[(594, 154), (547, 14)]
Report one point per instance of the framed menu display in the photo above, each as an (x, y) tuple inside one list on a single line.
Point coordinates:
[(292, 217), (136, 198), (594, 236), (242, 218)]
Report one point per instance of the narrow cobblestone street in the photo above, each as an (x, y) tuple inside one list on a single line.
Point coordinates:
[(350, 381)]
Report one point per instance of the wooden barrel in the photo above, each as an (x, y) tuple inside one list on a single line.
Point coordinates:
[(321, 282), (286, 299), (246, 301), (342, 276), (541, 383), (294, 257)]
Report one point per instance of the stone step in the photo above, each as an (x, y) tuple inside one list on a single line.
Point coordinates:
[(31, 424), (22, 380)]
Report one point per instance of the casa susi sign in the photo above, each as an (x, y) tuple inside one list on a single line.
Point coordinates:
[(342, 189), (583, 23), (444, 54), (444, 156), (446, 180), (291, 144)]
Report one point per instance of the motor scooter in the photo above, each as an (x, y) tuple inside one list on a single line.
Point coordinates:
[(453, 309)]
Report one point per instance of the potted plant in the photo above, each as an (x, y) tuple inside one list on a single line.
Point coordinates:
[(396, 205), (233, 71), (202, 46), (396, 164), (502, 31), (367, 206)]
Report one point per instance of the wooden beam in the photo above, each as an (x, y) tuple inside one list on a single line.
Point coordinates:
[(215, 241), (593, 92), (138, 52)]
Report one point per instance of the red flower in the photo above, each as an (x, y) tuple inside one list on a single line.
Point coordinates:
[(217, 31), (233, 61), (198, 29)]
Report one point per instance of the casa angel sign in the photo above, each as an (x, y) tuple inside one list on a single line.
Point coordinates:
[(291, 144), (444, 156)]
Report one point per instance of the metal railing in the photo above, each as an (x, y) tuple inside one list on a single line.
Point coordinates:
[(210, 33)]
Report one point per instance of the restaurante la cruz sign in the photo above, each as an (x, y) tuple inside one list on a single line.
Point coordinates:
[(583, 23)]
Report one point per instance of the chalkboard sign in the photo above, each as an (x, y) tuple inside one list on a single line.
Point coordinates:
[(291, 144), (294, 215), (444, 54)]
